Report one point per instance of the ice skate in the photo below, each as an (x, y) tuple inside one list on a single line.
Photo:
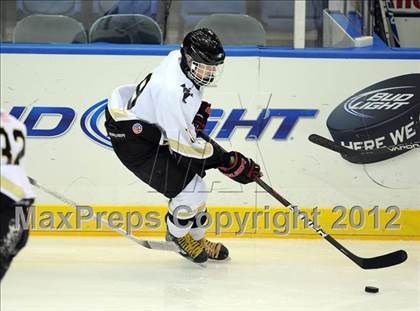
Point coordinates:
[(189, 248), (215, 251)]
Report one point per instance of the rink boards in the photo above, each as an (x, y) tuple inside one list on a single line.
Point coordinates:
[(266, 105)]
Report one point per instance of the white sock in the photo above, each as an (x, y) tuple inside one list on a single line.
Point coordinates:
[(176, 231), (197, 233)]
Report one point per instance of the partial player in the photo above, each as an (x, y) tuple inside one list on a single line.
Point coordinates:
[(153, 128), (16, 191)]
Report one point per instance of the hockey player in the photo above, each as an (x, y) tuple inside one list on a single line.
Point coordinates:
[(16, 192), (153, 129)]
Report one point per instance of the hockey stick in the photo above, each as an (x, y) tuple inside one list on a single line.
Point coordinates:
[(378, 262), (332, 145), (164, 246)]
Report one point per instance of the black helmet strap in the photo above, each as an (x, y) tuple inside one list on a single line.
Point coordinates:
[(186, 69)]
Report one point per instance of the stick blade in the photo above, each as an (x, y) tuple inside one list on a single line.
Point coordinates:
[(159, 245), (384, 261)]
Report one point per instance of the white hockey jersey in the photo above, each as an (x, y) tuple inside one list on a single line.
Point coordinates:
[(169, 100), (14, 181)]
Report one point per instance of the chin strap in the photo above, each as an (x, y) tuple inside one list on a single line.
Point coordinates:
[(186, 69)]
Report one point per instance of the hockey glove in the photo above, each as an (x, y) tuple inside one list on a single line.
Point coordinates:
[(202, 115), (242, 170)]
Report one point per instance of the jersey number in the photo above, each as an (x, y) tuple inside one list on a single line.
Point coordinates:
[(7, 152), (140, 87)]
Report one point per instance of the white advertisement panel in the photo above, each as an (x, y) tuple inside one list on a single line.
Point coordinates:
[(316, 176)]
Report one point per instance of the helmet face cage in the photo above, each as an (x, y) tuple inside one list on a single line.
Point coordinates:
[(204, 74)]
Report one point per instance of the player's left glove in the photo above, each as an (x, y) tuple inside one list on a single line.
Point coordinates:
[(202, 115)]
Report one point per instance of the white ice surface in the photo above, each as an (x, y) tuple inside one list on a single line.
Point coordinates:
[(115, 274)]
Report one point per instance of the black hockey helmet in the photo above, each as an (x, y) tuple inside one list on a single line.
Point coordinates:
[(204, 46), (202, 51)]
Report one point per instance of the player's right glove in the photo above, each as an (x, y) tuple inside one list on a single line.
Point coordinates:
[(241, 168)]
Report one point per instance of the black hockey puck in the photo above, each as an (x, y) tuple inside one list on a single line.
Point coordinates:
[(384, 114), (371, 289)]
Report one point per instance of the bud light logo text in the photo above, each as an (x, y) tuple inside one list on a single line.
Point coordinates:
[(228, 121), (382, 99)]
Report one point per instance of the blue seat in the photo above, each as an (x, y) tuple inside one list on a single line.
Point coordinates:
[(192, 11), (279, 15), (126, 28), (58, 7), (101, 7), (144, 7)]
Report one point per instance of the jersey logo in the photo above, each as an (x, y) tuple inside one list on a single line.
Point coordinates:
[(187, 92)]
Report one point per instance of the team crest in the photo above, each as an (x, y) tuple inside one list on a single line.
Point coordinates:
[(137, 128), (187, 92)]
